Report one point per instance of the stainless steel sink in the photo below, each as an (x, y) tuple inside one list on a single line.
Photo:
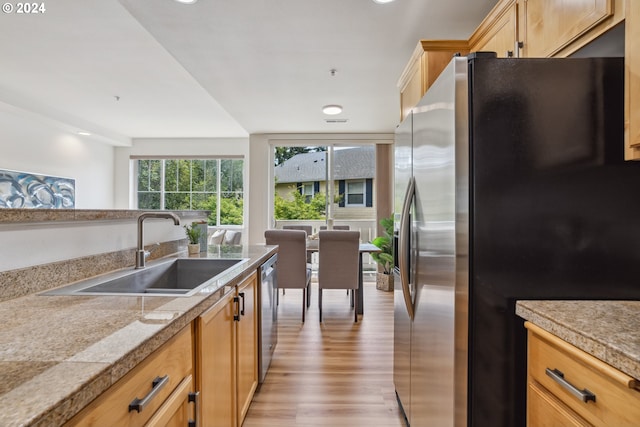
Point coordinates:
[(173, 277)]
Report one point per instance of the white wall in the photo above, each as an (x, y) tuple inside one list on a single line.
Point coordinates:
[(25, 245), (260, 182), (31, 145)]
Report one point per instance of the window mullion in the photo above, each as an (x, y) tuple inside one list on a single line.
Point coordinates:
[(218, 193), (162, 186)]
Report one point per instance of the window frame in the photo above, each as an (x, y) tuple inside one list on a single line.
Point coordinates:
[(307, 196), (363, 183)]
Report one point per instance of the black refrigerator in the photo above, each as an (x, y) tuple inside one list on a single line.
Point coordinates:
[(510, 184)]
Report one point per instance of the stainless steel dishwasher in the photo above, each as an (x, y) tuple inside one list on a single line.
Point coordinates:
[(268, 337)]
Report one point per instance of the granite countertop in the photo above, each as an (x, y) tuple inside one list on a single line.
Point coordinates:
[(52, 216), (608, 330), (58, 353)]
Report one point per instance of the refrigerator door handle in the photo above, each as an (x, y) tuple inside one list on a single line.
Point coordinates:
[(405, 235)]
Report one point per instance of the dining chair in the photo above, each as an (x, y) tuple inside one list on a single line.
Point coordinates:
[(336, 227), (307, 228), (339, 264), (293, 271)]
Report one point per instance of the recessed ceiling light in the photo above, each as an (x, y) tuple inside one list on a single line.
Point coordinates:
[(332, 109), (382, 1), (84, 133), (187, 1)]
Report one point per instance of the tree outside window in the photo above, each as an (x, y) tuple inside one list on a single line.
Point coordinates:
[(192, 184)]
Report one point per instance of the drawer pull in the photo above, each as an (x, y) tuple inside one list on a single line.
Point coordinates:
[(236, 301), (242, 310), (194, 397), (584, 395), (156, 385)]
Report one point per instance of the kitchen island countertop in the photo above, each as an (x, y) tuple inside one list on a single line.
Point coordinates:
[(608, 330), (58, 353)]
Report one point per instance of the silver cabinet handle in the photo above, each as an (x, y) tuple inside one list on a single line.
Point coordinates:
[(584, 395), (156, 385)]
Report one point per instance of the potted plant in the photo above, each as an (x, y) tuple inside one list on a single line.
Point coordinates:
[(193, 235), (384, 258)]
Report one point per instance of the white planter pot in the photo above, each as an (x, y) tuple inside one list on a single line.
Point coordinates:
[(194, 248)]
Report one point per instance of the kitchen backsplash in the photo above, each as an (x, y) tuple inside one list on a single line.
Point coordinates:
[(25, 281)]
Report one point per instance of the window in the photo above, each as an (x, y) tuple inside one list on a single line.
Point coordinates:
[(193, 184), (307, 191), (355, 193)]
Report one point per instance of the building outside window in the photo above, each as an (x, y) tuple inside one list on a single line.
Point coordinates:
[(193, 184), (305, 175)]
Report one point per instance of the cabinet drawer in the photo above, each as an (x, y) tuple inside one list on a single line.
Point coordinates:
[(616, 403), (173, 360)]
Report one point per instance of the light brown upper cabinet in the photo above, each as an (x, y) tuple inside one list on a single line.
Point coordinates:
[(550, 25), (539, 28), (542, 28), (632, 80), (498, 32), (425, 65)]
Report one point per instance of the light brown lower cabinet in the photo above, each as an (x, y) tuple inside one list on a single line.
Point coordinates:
[(569, 387), (158, 392), (227, 356), (161, 390)]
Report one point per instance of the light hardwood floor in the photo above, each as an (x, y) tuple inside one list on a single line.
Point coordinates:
[(334, 373)]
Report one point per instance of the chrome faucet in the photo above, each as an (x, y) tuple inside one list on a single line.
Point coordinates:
[(141, 254)]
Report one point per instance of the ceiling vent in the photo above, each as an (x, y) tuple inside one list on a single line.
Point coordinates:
[(336, 120)]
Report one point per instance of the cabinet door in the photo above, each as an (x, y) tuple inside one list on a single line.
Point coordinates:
[(412, 91), (500, 35), (552, 24), (247, 342), (632, 79), (545, 410), (428, 60), (216, 364)]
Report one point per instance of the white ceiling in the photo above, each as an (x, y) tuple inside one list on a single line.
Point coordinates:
[(218, 68)]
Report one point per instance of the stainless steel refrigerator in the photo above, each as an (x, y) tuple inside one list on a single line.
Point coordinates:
[(509, 184)]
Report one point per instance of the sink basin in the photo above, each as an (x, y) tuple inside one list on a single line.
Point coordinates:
[(174, 277)]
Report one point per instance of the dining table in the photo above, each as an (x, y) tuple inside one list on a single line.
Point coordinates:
[(363, 248)]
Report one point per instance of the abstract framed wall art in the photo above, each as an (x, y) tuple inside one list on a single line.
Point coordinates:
[(31, 190)]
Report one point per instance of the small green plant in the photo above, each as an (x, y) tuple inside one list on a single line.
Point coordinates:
[(193, 232), (385, 242)]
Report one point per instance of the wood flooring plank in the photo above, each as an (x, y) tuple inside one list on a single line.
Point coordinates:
[(334, 373)]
